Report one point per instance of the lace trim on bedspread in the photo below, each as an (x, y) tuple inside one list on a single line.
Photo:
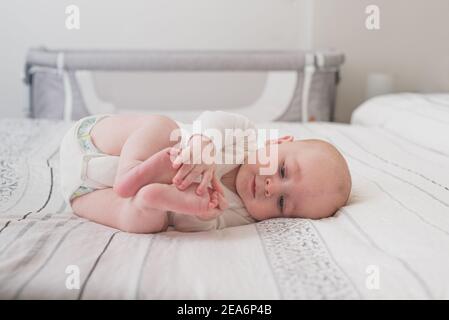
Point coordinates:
[(302, 266), (24, 142), (13, 174)]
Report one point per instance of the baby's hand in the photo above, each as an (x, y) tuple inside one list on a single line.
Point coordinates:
[(215, 204), (195, 160)]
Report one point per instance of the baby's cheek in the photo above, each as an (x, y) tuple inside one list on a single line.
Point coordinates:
[(257, 211), (269, 212)]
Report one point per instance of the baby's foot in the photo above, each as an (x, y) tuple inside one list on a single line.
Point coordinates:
[(205, 206), (156, 169)]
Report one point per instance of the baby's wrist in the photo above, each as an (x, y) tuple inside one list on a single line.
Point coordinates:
[(203, 142), (200, 137)]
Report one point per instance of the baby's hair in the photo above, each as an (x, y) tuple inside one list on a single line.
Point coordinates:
[(344, 186)]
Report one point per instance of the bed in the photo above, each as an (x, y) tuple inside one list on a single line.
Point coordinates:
[(391, 241)]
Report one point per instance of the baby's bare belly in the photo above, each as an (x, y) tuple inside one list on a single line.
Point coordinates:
[(110, 134)]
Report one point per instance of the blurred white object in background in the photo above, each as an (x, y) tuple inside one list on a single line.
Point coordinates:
[(379, 84)]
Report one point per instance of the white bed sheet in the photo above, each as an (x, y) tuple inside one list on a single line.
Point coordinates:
[(390, 241)]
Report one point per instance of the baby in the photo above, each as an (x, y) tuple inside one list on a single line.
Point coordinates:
[(144, 173)]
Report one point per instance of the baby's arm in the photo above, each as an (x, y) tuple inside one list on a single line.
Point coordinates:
[(223, 124)]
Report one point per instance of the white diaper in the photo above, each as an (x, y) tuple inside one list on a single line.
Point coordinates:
[(83, 167)]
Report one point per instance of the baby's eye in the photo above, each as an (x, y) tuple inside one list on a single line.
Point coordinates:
[(282, 171), (281, 203)]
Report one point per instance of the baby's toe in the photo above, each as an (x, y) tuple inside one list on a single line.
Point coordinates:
[(213, 203)]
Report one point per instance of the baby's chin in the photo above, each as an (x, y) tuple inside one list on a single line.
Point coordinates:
[(254, 214)]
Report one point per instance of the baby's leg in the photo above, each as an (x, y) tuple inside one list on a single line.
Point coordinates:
[(141, 158), (146, 211), (156, 169), (106, 207)]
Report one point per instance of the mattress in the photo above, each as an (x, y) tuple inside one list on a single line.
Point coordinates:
[(390, 241)]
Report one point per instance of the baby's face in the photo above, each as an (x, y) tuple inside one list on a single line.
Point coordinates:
[(311, 180)]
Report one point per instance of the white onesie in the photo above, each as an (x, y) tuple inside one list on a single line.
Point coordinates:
[(85, 169)]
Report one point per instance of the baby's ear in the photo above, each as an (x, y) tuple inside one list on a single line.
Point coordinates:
[(280, 140)]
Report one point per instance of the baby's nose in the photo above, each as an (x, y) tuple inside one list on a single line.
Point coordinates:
[(268, 187)]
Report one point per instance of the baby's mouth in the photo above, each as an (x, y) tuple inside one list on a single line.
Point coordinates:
[(253, 187)]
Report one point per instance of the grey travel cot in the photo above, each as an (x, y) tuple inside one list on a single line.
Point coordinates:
[(55, 90)]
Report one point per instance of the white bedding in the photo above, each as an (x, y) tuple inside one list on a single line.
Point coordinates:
[(390, 241), (420, 118)]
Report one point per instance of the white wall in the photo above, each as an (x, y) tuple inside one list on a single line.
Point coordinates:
[(412, 45), (153, 24)]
